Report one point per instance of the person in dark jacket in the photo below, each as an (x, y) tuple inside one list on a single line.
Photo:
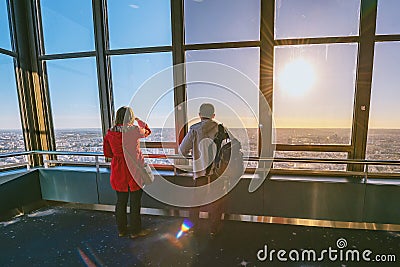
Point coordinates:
[(122, 145)]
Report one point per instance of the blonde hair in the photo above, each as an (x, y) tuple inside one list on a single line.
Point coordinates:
[(124, 116)]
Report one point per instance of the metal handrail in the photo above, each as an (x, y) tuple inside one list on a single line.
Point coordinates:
[(96, 163), (15, 154)]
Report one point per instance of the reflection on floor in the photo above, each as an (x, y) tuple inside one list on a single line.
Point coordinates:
[(60, 236)]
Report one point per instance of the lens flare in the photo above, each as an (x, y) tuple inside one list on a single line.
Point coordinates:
[(186, 225)]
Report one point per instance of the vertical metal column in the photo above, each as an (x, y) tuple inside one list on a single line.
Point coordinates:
[(266, 77), (178, 56), (33, 96), (364, 81), (103, 64)]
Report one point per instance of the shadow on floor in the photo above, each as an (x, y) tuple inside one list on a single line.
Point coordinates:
[(61, 236)]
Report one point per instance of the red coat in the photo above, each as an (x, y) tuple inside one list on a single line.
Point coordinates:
[(124, 173)]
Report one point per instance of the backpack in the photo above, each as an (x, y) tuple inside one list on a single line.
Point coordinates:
[(228, 161)]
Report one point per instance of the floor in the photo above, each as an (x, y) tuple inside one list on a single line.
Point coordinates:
[(64, 236)]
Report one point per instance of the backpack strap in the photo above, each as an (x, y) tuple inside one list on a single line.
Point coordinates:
[(220, 136)]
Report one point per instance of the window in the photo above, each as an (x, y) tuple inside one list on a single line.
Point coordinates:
[(151, 95), (5, 41), (384, 123), (388, 17), (227, 78), (11, 137), (222, 21), (159, 151), (135, 23), (307, 18), (313, 90), (67, 26), (310, 166), (75, 104)]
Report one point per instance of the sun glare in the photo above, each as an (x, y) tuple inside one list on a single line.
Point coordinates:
[(297, 77)]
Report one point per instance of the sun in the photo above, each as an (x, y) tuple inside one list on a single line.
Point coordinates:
[(297, 77)]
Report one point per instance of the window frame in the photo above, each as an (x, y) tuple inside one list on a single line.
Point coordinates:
[(366, 40)]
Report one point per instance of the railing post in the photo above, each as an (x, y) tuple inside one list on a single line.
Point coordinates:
[(28, 165), (46, 161), (96, 158), (97, 177)]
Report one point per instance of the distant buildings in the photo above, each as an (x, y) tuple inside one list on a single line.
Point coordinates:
[(383, 144)]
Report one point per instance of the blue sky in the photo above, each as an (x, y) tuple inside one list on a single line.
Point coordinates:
[(68, 27)]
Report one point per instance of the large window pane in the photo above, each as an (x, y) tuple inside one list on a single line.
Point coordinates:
[(75, 104), (222, 21), (11, 138), (384, 121), (135, 23), (314, 89), (235, 101), (388, 21), (5, 41), (10, 116), (151, 102), (310, 18), (67, 26)]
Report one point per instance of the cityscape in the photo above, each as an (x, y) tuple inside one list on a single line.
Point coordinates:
[(383, 144)]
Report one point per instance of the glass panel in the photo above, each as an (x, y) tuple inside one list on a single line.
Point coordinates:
[(5, 41), (11, 138), (309, 18), (77, 158), (222, 21), (383, 144), (310, 166), (313, 136), (155, 105), (67, 26), (75, 104), (159, 151), (314, 89), (384, 122), (79, 140), (388, 21), (135, 23), (235, 100)]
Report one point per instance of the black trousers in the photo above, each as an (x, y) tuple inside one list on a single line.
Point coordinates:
[(135, 203), (214, 209)]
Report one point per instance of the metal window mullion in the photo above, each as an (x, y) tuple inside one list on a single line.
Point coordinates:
[(363, 81), (42, 73), (178, 57), (39, 28), (68, 55), (316, 40), (10, 25), (266, 77), (32, 97), (222, 45), (103, 64), (388, 38), (138, 50), (7, 52)]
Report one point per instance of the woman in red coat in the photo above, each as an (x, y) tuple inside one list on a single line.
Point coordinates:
[(122, 144)]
